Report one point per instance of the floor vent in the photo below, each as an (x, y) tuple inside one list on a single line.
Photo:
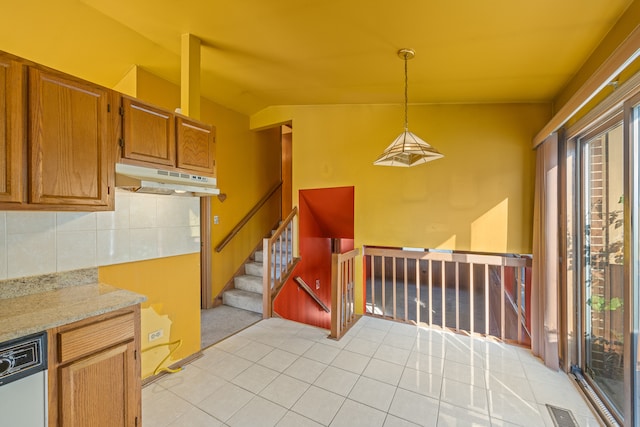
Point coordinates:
[(562, 417)]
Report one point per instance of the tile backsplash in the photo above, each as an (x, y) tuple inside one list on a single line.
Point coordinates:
[(143, 226)]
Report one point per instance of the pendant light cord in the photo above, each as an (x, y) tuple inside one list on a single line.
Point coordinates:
[(406, 95)]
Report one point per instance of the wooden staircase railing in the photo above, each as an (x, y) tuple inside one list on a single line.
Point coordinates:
[(247, 217), (278, 262), (303, 285), (485, 294), (343, 314)]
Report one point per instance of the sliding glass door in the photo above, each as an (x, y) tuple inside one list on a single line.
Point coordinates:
[(603, 256), (632, 384)]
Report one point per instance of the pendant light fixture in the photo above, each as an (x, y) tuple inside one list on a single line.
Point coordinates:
[(407, 149)]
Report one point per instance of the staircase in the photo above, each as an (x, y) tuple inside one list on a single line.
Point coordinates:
[(248, 287), (247, 294)]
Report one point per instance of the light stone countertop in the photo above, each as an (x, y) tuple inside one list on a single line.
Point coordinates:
[(24, 310)]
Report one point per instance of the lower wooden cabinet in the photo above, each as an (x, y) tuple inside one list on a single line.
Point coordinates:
[(94, 371)]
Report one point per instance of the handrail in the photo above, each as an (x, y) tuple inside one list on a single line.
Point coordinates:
[(300, 281), (247, 217), (471, 258)]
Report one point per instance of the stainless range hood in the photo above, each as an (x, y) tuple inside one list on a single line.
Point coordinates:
[(141, 179)]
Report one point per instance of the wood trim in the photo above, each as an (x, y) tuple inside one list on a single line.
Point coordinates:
[(611, 105), (206, 300), (287, 189), (247, 217), (616, 62)]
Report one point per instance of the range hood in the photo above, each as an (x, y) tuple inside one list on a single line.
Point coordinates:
[(141, 179)]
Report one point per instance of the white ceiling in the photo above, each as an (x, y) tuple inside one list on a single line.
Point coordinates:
[(257, 53)]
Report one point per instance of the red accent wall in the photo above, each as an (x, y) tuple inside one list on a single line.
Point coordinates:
[(346, 245), (324, 214)]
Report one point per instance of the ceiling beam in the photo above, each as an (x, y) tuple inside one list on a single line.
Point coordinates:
[(190, 76)]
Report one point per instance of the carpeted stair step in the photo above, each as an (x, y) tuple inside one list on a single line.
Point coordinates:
[(249, 283), (243, 299), (254, 269)]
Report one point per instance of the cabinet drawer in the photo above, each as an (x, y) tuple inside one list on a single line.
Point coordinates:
[(88, 339)]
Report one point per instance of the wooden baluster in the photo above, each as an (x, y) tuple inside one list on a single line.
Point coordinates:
[(383, 290), (393, 280), (406, 294), (519, 299), (471, 302), (430, 293), (443, 290), (418, 306), (486, 299), (502, 307), (457, 296), (373, 285)]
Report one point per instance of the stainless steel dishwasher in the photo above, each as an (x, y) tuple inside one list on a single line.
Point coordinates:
[(23, 381)]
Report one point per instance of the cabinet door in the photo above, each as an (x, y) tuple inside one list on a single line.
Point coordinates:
[(99, 390), (149, 133), (196, 146), (11, 130), (70, 154)]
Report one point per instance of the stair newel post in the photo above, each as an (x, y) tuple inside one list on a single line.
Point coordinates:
[(336, 299), (266, 279)]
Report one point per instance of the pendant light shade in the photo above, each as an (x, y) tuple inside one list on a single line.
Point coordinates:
[(407, 149)]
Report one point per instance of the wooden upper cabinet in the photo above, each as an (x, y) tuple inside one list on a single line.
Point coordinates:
[(71, 127), (149, 133), (159, 138), (196, 146), (12, 142)]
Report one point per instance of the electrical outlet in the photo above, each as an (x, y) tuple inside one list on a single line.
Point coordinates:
[(155, 335), (216, 219)]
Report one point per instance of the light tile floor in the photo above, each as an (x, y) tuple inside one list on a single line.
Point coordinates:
[(382, 373)]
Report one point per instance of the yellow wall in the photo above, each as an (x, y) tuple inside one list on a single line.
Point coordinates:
[(479, 197), (487, 168), (172, 287)]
